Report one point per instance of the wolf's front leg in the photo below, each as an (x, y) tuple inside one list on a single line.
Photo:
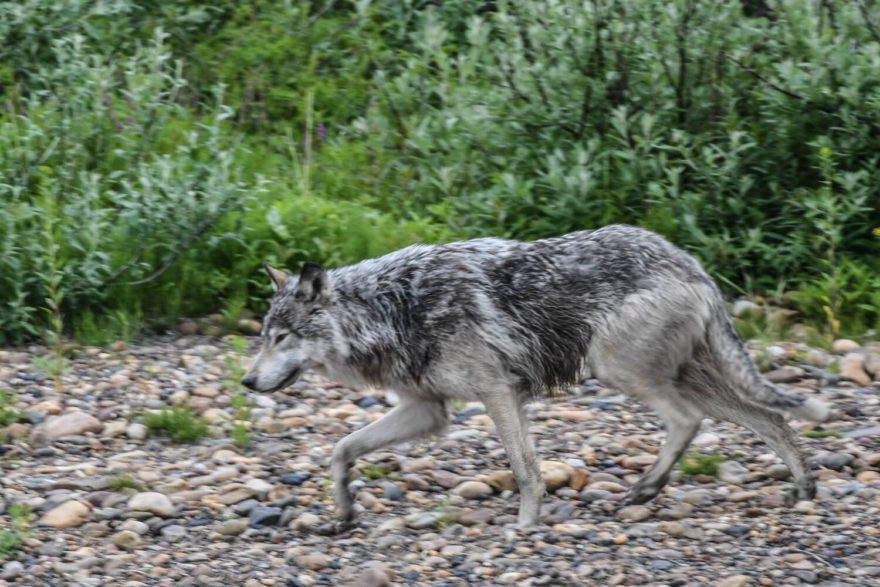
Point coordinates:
[(411, 419), (506, 411)]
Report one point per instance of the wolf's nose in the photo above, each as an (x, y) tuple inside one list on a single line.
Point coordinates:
[(249, 381)]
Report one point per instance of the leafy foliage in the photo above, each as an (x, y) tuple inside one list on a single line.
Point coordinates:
[(154, 154), (701, 464), (179, 423), (12, 538), (8, 413)]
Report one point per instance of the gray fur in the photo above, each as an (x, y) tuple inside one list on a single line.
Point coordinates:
[(505, 321)]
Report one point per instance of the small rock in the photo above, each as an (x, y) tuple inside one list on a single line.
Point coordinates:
[(842, 346), (12, 570), (249, 327), (473, 490), (305, 522), (732, 472), (779, 472), (114, 429), (70, 424), (786, 374), (634, 513), (734, 581), (371, 578), (500, 480), (232, 527), (126, 539), (294, 478), (260, 487), (69, 514), (392, 492), (555, 475), (136, 431), (151, 501), (818, 358), (188, 327), (313, 562), (243, 508), (135, 526), (422, 520), (264, 516), (474, 517), (639, 462), (706, 439), (805, 507), (173, 533), (835, 461), (852, 368), (872, 364)]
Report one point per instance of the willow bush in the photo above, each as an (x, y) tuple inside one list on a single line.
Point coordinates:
[(154, 154)]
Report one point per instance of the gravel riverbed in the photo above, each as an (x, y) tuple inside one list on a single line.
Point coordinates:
[(115, 505)]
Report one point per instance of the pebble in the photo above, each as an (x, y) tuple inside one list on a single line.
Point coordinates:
[(842, 346), (12, 570), (232, 527), (264, 516), (153, 502), (70, 424), (732, 472), (555, 474), (314, 561), (127, 539), (473, 490), (786, 374), (634, 513), (173, 533), (294, 478), (416, 525), (69, 514), (852, 368), (136, 431)]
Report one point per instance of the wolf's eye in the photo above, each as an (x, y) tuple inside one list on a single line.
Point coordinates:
[(280, 338)]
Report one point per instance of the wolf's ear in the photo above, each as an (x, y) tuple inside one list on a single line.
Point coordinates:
[(313, 284), (276, 276)]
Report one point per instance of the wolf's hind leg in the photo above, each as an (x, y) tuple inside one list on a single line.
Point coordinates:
[(410, 420), (682, 423), (772, 429), (507, 413)]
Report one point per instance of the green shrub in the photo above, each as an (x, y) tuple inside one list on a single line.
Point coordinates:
[(701, 464), (12, 538), (154, 155), (179, 423), (8, 414), (123, 482)]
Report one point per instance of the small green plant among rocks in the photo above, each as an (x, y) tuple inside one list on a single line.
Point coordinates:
[(8, 414), (179, 423), (375, 472), (239, 431), (12, 538), (700, 464), (820, 433), (123, 482)]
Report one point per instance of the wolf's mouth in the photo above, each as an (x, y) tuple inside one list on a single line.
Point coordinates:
[(294, 375)]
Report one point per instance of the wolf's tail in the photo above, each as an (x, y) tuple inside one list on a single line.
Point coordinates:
[(740, 373)]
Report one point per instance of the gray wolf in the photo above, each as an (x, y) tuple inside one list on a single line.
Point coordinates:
[(502, 322)]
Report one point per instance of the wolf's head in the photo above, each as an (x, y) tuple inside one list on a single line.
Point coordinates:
[(297, 333)]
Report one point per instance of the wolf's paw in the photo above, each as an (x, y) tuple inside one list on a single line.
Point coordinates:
[(640, 494), (797, 493), (335, 528)]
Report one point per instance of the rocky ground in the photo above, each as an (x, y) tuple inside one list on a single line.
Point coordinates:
[(113, 505)]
